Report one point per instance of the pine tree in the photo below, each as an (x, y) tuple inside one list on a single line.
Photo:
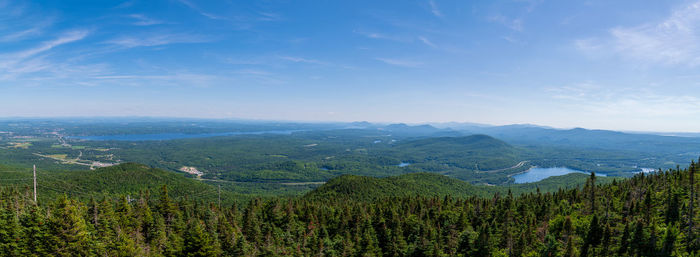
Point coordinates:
[(672, 207), (692, 245), (227, 236), (9, 230), (241, 247), (33, 233), (165, 206), (368, 243), (639, 239), (197, 242), (397, 245), (650, 247), (124, 246), (648, 205), (624, 241), (482, 245), (669, 241), (69, 235), (466, 242), (551, 247), (591, 184), (569, 251), (607, 234)]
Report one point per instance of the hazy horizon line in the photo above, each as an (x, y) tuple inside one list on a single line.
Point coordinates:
[(263, 120)]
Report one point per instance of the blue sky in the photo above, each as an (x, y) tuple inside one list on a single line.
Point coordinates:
[(624, 65)]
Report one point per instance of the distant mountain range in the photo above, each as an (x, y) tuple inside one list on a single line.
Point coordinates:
[(527, 134)]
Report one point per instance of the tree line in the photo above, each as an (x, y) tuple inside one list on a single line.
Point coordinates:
[(647, 215)]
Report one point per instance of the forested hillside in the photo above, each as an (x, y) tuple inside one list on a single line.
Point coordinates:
[(361, 188), (475, 152), (648, 215), (263, 158), (111, 182)]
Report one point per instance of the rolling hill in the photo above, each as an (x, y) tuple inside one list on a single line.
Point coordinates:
[(475, 152), (363, 188), (114, 181), (369, 188)]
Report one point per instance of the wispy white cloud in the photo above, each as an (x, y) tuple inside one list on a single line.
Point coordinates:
[(260, 76), (202, 12), (41, 69), (238, 22), (125, 4), (182, 78), (157, 40), (22, 34), (427, 42), (531, 4), (19, 22), (9, 59), (269, 16), (302, 60), (383, 36), (625, 102), (66, 38), (400, 62), (12, 9), (510, 39), (672, 41), (253, 72), (143, 20), (515, 24), (434, 8)]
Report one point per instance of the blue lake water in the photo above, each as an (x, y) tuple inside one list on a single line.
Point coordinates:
[(537, 174), (170, 136)]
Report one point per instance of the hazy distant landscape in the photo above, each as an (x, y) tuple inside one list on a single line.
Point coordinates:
[(264, 166), (412, 128), (288, 155)]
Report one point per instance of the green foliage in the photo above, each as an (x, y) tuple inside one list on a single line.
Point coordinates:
[(629, 218), (433, 185), (129, 179)]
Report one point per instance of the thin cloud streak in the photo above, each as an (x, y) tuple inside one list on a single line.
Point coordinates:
[(434, 9), (513, 24), (627, 102), (16, 57), (377, 35), (157, 40), (35, 28), (400, 63), (17, 24), (201, 12), (427, 42), (673, 41), (143, 20), (302, 60)]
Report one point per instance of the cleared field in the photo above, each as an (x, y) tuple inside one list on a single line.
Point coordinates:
[(57, 156), (23, 145)]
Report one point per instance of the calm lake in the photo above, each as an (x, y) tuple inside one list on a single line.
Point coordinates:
[(170, 136), (537, 174)]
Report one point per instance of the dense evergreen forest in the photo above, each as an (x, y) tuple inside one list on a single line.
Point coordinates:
[(647, 215), (434, 185)]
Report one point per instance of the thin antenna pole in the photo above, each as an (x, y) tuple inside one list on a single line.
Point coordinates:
[(35, 183)]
